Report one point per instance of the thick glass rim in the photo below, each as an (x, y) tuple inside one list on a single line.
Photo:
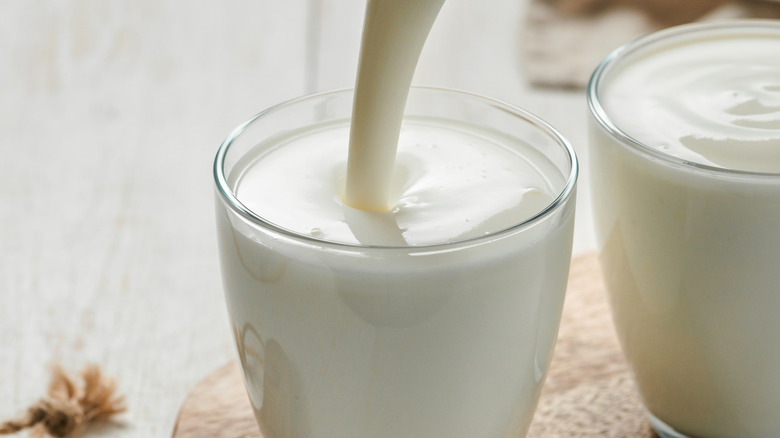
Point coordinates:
[(615, 58), (232, 201)]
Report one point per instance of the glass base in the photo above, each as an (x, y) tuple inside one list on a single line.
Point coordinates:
[(662, 429)]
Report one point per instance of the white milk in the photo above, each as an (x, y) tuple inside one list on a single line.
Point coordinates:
[(433, 341), (691, 252), (714, 101), (394, 33), (447, 330)]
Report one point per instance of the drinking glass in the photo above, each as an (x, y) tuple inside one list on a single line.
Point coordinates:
[(690, 254), (347, 340)]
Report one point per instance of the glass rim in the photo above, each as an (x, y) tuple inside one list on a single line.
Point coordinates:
[(231, 200), (646, 42)]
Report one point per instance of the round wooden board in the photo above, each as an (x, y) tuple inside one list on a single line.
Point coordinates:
[(588, 392)]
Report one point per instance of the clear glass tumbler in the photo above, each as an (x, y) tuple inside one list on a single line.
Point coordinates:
[(445, 340), (691, 257)]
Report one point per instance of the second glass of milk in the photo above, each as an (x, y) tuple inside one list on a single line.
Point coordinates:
[(424, 321), (685, 146)]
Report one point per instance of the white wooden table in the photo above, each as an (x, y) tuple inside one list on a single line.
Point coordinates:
[(110, 115)]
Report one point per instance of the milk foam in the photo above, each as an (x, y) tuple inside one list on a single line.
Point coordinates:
[(713, 101)]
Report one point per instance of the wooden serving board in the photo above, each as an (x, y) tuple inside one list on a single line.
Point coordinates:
[(588, 392)]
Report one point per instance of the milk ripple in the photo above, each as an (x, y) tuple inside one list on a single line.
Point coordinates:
[(717, 104)]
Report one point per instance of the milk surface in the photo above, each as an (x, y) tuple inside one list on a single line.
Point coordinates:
[(450, 184), (712, 100), (690, 255)]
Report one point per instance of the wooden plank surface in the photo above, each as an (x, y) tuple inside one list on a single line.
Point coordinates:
[(110, 116), (588, 393)]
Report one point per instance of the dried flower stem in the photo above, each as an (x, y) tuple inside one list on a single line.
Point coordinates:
[(68, 407)]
